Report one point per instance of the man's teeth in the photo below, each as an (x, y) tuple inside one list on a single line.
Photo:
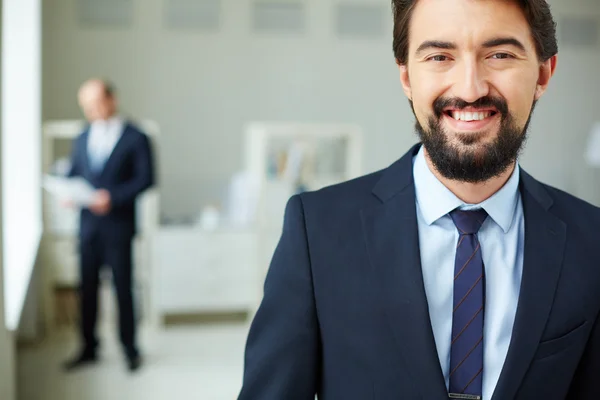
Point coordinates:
[(470, 116)]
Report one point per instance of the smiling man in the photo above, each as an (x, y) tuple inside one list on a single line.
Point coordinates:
[(452, 274)]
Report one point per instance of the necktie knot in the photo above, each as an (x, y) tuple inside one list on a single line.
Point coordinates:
[(468, 222)]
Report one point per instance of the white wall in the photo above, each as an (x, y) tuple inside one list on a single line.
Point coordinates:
[(203, 88), (7, 353), (7, 349), (21, 150), (7, 342), (566, 113)]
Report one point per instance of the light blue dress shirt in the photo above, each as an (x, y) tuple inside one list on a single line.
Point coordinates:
[(501, 237), (102, 139)]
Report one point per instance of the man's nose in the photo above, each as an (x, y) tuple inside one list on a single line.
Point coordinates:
[(471, 83)]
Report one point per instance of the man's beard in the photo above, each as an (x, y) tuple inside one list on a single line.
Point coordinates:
[(483, 162)]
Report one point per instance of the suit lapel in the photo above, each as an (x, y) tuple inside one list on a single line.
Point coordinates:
[(391, 234), (545, 237)]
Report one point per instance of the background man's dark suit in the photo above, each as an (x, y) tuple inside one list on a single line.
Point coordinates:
[(345, 313), (107, 239)]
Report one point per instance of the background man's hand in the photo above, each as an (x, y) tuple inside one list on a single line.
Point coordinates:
[(101, 204), (67, 203)]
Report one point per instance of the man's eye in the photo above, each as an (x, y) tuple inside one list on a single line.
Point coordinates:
[(439, 58), (501, 56)]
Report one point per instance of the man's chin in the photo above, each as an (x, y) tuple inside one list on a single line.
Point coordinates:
[(470, 139)]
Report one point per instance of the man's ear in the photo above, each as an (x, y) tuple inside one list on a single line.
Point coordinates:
[(547, 70), (404, 79)]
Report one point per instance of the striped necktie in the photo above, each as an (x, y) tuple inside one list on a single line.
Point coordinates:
[(466, 351)]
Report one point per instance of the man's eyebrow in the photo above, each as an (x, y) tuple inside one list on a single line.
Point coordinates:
[(502, 41), (435, 44), (442, 45)]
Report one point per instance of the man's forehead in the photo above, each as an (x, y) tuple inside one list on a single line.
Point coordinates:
[(91, 89), (466, 3), (468, 22)]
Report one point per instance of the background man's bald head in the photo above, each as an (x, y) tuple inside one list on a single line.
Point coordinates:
[(97, 100)]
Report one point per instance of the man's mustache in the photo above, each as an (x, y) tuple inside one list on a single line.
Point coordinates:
[(443, 103)]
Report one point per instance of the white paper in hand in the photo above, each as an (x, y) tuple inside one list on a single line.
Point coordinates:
[(76, 190)]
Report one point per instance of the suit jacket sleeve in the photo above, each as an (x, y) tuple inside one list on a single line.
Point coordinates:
[(283, 348), (585, 385), (143, 175)]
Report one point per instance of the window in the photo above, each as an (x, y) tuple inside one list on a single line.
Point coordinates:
[(21, 150)]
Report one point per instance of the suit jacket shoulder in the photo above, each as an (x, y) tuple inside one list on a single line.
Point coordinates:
[(580, 216), (83, 134), (131, 127), (582, 221), (573, 208), (342, 197)]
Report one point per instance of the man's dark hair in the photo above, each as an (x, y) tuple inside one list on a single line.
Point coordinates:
[(537, 13), (109, 89)]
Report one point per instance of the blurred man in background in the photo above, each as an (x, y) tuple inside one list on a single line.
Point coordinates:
[(116, 159)]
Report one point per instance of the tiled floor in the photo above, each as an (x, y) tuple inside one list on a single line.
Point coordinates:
[(202, 362)]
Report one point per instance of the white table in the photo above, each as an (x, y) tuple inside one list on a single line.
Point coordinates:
[(198, 271)]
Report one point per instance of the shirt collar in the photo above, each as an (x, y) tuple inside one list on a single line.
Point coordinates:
[(435, 200), (115, 120)]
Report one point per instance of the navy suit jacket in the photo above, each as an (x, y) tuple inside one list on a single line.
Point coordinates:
[(128, 171), (345, 316)]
